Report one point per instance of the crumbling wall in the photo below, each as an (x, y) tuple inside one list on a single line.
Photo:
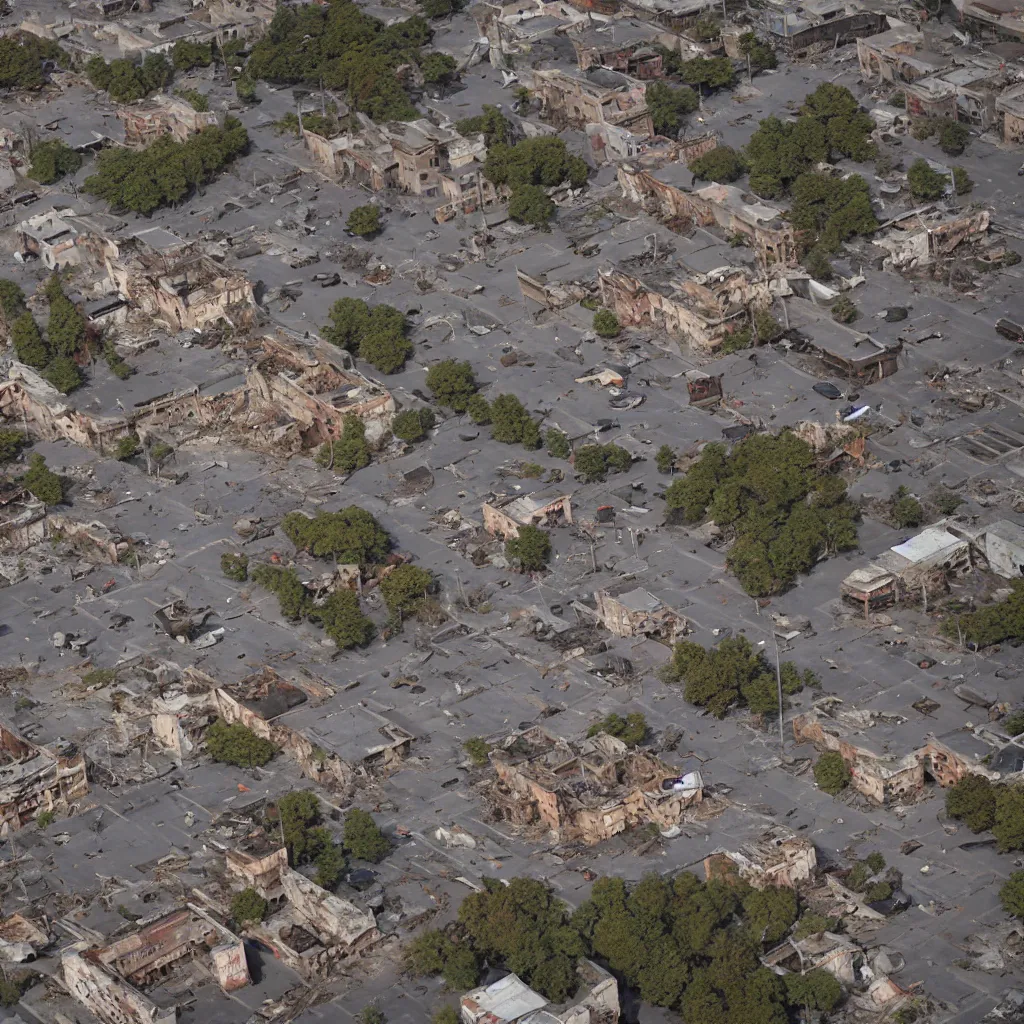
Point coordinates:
[(110, 998), (335, 921), (229, 965), (693, 148)]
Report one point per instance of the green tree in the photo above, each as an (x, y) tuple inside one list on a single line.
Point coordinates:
[(831, 772), (127, 448), (761, 54), (962, 181), (404, 588), (363, 838), (248, 907), (1003, 620), (350, 452), (62, 372), (492, 123), (477, 749), (906, 511), (42, 482), (22, 56), (508, 419), (28, 342), (426, 954), (186, 55), (541, 161), (844, 310), (669, 106), (351, 536), (631, 730), (12, 301), (452, 384), (330, 867), (364, 221), (234, 566), (245, 89), (606, 324), (371, 1015), (439, 68), (51, 161), (349, 320), (811, 924), (383, 344), (412, 425), (1009, 824), (11, 444), (237, 745), (343, 619), (817, 264), (479, 410), (299, 815), (557, 443), (195, 99), (590, 463), (531, 549), (65, 329), (285, 585), (445, 1014), (1013, 723), (828, 212), (665, 459), (953, 136), (530, 204), (1011, 895), (815, 990), (769, 914), (707, 72), (925, 183), (722, 164)]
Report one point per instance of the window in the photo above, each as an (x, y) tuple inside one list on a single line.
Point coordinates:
[(424, 175)]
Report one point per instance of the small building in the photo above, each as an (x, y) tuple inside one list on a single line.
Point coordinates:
[(511, 1001), (627, 610), (163, 115), (37, 778), (898, 54), (1000, 545), (1010, 106), (871, 588), (778, 857), (574, 99), (624, 45), (51, 238), (920, 237), (505, 514)]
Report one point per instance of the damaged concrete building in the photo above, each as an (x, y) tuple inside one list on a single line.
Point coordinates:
[(503, 515), (801, 27), (919, 237), (627, 609), (702, 309), (310, 928), (599, 96), (588, 790), (775, 858), (725, 207), (163, 115), (35, 778)]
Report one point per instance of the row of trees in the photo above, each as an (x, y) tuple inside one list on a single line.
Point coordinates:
[(783, 514), (377, 334), (66, 334), (732, 674), (345, 49), (128, 80), (679, 943), (165, 172)]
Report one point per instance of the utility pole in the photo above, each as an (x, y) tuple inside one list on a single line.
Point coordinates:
[(778, 682)]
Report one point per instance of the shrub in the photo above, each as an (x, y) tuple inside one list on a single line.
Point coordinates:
[(1011, 896), (477, 749), (412, 425), (405, 587), (1008, 827), (961, 181), (557, 443), (118, 367), (45, 818), (286, 586), (248, 907), (590, 463), (665, 460), (12, 301), (811, 924), (530, 204), (363, 839), (42, 482), (479, 410), (299, 815), (237, 745), (350, 536), (953, 137), (815, 990), (906, 510), (1013, 723), (330, 867), (924, 183), (235, 567), (631, 730), (446, 1014), (722, 164), (508, 419), (28, 342), (51, 161), (844, 311), (831, 772), (606, 324), (11, 444), (531, 549), (127, 448), (350, 452), (343, 620), (364, 221), (63, 374), (452, 384)]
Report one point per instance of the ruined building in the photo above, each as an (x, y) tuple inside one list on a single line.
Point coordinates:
[(162, 114), (35, 778), (588, 790), (505, 514), (575, 99), (627, 609), (777, 857)]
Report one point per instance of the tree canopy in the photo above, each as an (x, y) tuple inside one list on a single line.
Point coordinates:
[(237, 745), (350, 452), (494, 125), (452, 383), (631, 730), (51, 161), (733, 673), (165, 172), (991, 624), (768, 493), (22, 57), (722, 164), (669, 106), (404, 588), (351, 536), (924, 183), (363, 837), (364, 220), (827, 212), (42, 482), (531, 549), (539, 161), (347, 49), (343, 619), (376, 333), (593, 462), (126, 80)]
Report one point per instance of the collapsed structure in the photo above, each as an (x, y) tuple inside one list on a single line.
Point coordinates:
[(588, 790)]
